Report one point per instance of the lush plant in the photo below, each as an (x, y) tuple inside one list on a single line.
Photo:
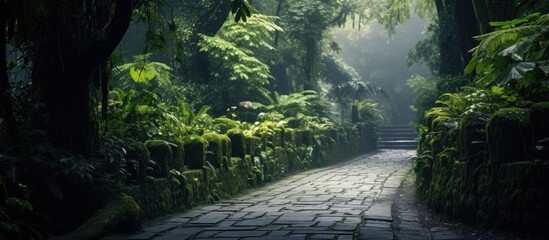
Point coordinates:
[(514, 56), (238, 55), (352, 92), (298, 109), (370, 111)]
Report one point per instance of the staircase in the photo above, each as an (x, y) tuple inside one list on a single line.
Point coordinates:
[(396, 137)]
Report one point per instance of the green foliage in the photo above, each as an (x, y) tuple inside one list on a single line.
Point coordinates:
[(143, 71), (370, 111), (337, 71), (427, 51), (236, 54), (297, 108), (349, 93), (14, 217), (241, 9), (514, 55)]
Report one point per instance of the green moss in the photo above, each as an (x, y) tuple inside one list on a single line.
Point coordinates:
[(137, 155), (195, 151), (161, 153), (472, 134), (252, 145), (215, 148), (226, 146), (505, 135), (238, 147), (178, 154), (225, 124), (118, 216)]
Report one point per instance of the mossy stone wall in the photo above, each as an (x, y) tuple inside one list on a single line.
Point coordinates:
[(239, 162), (483, 169)]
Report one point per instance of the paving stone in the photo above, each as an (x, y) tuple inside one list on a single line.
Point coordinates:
[(179, 233), (259, 222), (375, 234), (345, 237), (279, 233), (322, 236), (291, 217), (334, 202), (379, 211), (377, 224), (210, 218), (240, 234), (206, 234), (345, 226)]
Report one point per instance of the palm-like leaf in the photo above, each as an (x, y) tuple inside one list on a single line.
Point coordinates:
[(353, 91), (516, 52)]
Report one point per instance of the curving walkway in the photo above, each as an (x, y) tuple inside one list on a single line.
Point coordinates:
[(351, 200)]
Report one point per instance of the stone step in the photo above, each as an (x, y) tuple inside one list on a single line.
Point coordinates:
[(397, 146), (397, 137), (401, 135)]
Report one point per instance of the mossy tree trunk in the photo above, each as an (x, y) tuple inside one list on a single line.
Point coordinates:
[(451, 63)]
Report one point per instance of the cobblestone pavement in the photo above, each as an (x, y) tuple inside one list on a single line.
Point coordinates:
[(351, 200)]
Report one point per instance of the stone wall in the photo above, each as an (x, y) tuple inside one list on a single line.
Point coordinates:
[(484, 169), (232, 162)]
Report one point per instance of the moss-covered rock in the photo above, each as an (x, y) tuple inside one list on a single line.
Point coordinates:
[(472, 135), (226, 146), (225, 124), (253, 144), (178, 153), (137, 156), (506, 135), (443, 133), (161, 153), (215, 149), (195, 151), (539, 120), (238, 146), (120, 215)]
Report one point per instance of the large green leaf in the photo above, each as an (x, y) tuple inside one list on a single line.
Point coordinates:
[(514, 72), (141, 74)]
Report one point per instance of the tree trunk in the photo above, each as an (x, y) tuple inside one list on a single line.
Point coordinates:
[(277, 13), (5, 95), (309, 62), (451, 63), (468, 28), (63, 64)]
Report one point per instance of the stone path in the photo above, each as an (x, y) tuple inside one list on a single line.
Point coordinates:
[(351, 200)]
